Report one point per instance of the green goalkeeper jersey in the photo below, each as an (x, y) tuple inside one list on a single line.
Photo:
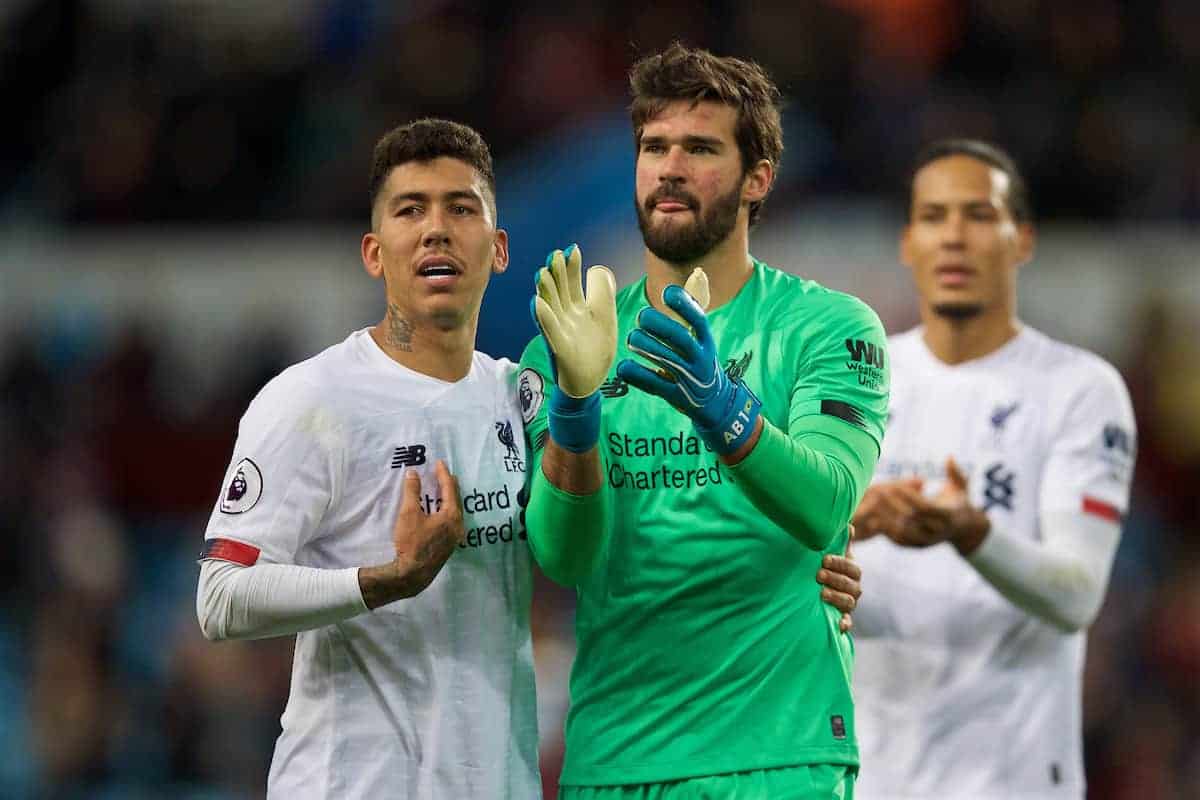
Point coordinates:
[(703, 643)]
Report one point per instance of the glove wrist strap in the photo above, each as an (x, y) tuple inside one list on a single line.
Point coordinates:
[(736, 424), (574, 421)]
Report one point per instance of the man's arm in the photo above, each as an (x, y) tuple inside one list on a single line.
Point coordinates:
[(238, 598), (1060, 579), (567, 517), (808, 480)]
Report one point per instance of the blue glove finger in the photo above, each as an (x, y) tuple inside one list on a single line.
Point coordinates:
[(679, 301), (648, 381), (656, 352), (670, 333)]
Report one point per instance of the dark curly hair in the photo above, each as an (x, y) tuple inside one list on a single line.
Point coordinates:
[(425, 140), (682, 73)]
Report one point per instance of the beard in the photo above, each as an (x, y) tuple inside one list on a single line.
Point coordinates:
[(684, 244), (958, 312)]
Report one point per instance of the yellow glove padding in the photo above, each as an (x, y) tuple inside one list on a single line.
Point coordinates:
[(581, 330)]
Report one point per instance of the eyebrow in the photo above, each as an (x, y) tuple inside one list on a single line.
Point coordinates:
[(711, 141), (424, 197), (937, 205)]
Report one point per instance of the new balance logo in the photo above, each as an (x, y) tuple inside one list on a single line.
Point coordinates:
[(614, 387), (865, 352), (411, 456)]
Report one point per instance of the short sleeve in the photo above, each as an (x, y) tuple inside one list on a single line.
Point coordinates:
[(1090, 464), (280, 481), (534, 381), (844, 371)]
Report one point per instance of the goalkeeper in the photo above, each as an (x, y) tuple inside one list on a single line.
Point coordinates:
[(706, 479)]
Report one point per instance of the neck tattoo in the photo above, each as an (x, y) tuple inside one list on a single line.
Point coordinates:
[(399, 330)]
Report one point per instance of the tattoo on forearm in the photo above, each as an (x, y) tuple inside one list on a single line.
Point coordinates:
[(399, 330)]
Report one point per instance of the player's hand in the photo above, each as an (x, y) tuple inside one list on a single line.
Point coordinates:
[(949, 516), (840, 578), (580, 327), (884, 507), (425, 541), (689, 374), (910, 519)]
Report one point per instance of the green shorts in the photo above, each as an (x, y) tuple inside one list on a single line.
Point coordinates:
[(818, 782)]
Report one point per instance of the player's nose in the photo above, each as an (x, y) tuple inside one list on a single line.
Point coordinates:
[(674, 165), (436, 233)]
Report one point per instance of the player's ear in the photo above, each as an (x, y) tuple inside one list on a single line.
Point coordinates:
[(757, 182), (1026, 241), (905, 247), (371, 256), (500, 251)]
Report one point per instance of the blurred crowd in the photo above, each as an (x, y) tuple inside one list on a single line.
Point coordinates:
[(203, 110), (108, 690)]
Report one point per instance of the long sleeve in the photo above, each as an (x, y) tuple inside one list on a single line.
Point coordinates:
[(566, 531), (1061, 579), (810, 482), (255, 602)]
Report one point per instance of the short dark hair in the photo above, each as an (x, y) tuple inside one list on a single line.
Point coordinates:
[(425, 140), (990, 154), (682, 73)]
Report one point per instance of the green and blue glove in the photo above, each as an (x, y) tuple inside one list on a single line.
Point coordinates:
[(580, 332), (689, 375)]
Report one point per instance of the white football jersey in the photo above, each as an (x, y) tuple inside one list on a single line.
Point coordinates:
[(959, 693), (430, 697)]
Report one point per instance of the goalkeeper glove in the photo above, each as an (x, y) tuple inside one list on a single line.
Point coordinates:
[(580, 332), (689, 376)]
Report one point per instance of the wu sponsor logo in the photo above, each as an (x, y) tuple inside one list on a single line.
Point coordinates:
[(736, 368), (865, 352), (999, 491), (866, 360), (412, 455), (512, 456), (614, 387)]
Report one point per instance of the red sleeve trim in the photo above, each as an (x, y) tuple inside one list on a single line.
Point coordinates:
[(1101, 509), (229, 550)]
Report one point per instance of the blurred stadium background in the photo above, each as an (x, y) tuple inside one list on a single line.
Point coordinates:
[(182, 191)]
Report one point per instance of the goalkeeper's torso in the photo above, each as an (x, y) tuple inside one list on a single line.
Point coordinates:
[(704, 646)]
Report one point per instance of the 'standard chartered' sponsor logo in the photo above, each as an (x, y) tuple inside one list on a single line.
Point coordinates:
[(622, 475), (480, 502), (866, 360), (512, 457)]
